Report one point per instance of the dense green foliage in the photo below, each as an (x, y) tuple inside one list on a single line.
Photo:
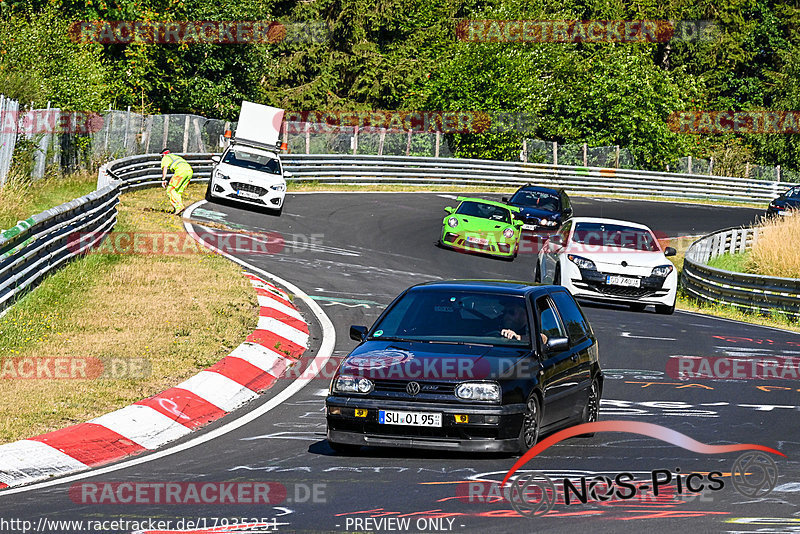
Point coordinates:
[(404, 54)]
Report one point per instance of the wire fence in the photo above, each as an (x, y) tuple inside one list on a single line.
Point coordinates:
[(116, 134)]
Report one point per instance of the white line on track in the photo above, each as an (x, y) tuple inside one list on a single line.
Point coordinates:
[(324, 354)]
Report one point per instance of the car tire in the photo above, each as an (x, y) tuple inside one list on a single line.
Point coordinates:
[(344, 448), (537, 273), (531, 424), (638, 307), (664, 309), (591, 410)]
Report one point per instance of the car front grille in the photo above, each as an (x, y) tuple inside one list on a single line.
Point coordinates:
[(239, 186)]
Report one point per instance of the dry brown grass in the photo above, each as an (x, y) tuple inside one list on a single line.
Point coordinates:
[(775, 252), (181, 312)]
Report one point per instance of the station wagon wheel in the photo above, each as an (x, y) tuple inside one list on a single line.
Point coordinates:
[(531, 421), (344, 448), (591, 409)]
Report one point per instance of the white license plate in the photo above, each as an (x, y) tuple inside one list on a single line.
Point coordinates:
[(248, 194), (623, 281), (529, 227), (786, 213), (387, 417), (477, 241)]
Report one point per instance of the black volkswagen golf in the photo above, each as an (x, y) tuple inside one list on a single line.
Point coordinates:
[(467, 365)]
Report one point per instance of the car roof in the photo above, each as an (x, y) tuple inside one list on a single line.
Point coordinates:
[(505, 287), (599, 220), (543, 189), (490, 202), (252, 150)]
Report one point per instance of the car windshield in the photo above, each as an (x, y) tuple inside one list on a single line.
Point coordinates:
[(484, 211), (438, 316), (793, 192), (615, 235), (535, 199), (256, 162)]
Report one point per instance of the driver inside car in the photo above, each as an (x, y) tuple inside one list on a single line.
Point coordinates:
[(514, 321)]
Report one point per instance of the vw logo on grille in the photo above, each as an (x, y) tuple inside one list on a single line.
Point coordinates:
[(412, 388)]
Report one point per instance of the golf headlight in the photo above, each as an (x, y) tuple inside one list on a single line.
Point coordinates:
[(582, 263), (547, 222), (508, 233), (352, 384), (278, 187), (452, 222), (478, 391), (223, 176), (662, 271)]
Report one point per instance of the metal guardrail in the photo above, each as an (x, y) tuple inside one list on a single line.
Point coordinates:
[(42, 243), (752, 292), (137, 171)]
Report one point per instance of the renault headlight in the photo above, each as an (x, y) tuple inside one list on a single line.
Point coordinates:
[(581, 262), (353, 384), (478, 391), (662, 271), (452, 222)]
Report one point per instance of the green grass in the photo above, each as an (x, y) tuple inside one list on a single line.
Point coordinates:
[(19, 199), (738, 263)]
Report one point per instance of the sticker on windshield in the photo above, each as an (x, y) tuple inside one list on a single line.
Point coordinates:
[(378, 333), (378, 359)]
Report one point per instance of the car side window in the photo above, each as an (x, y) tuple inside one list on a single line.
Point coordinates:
[(549, 322), (577, 326), (565, 205)]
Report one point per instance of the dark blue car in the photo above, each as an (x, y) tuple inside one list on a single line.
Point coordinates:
[(784, 204), (466, 365), (541, 208)]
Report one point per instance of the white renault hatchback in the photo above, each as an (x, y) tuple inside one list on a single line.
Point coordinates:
[(609, 260)]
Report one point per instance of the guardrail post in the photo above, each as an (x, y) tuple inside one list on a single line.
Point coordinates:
[(734, 239)]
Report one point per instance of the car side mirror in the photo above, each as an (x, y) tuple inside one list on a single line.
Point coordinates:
[(449, 209), (504, 199), (518, 223), (568, 212), (669, 251), (556, 344), (287, 174), (358, 333), (215, 159)]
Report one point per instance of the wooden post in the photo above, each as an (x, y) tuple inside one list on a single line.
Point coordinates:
[(555, 153), (355, 140), (690, 165), (711, 166), (166, 131), (186, 134), (747, 170), (525, 150), (148, 131), (127, 130), (438, 140), (200, 145), (381, 141), (585, 155), (616, 158), (778, 170), (308, 137), (408, 144)]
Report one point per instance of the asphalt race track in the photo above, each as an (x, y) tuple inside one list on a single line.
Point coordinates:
[(354, 252)]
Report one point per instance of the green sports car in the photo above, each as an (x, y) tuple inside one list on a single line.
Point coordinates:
[(478, 225)]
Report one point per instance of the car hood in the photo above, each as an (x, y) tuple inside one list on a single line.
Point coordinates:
[(529, 212), (249, 176), (608, 256), (430, 361)]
